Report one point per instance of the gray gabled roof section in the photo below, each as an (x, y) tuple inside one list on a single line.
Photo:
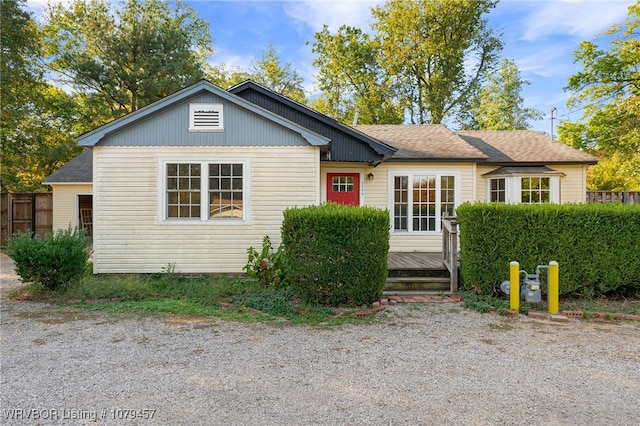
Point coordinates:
[(78, 170), (96, 136), (348, 144)]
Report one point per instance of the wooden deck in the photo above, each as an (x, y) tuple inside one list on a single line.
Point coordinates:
[(416, 273), (414, 260)]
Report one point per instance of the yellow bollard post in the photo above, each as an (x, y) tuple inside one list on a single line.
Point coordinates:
[(554, 287), (514, 286)]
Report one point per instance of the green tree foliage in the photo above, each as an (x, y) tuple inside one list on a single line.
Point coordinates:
[(225, 77), (35, 116), (283, 79), (126, 57), (436, 51), (499, 104), (608, 88), (351, 78), (20, 44)]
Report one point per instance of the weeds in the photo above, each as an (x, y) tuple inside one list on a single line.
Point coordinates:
[(235, 299)]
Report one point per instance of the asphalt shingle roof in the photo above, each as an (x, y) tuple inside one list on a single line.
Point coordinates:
[(424, 142), (523, 146), (78, 170)]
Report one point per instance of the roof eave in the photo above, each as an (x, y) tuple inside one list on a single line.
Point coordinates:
[(539, 163), (436, 159)]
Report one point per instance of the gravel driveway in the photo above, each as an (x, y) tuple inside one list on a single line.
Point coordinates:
[(427, 364)]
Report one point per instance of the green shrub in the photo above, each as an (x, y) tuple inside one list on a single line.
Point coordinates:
[(336, 254), (60, 258), (596, 245), (267, 266)]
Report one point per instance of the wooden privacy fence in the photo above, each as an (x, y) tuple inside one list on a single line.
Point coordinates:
[(25, 212), (625, 197)]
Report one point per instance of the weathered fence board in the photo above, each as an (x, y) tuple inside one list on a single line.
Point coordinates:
[(25, 212), (625, 197)]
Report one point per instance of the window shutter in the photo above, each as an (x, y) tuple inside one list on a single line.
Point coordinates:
[(206, 118)]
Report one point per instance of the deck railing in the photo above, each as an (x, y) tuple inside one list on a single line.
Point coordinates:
[(450, 250)]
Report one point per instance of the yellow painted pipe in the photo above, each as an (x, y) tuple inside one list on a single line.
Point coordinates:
[(514, 286), (554, 287)]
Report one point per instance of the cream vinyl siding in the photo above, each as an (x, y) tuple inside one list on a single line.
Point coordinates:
[(129, 238), (65, 203), (573, 185), (376, 194)]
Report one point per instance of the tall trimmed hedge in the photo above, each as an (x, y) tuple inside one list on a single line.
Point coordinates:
[(336, 254), (596, 245)]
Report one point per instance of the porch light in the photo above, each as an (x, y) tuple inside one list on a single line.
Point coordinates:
[(370, 176)]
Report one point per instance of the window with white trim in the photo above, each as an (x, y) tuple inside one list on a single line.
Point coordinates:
[(226, 190), (420, 201), (524, 189), (497, 190), (205, 191), (206, 118), (183, 190), (534, 190)]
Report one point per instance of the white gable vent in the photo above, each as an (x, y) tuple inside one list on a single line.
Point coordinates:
[(205, 118)]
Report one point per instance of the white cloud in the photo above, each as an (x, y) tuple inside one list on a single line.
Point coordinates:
[(315, 14), (578, 18)]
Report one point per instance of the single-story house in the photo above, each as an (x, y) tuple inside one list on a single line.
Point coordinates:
[(200, 176)]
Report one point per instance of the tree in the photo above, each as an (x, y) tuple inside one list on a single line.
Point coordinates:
[(351, 79), (283, 79), (608, 89), (128, 57), (20, 44), (36, 117), (499, 104), (437, 51), (225, 77)]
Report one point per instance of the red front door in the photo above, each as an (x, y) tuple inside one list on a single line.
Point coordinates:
[(343, 188)]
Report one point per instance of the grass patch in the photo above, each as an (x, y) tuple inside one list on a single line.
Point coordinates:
[(234, 299), (484, 303)]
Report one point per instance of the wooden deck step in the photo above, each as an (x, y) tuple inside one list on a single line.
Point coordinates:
[(416, 272), (417, 284)]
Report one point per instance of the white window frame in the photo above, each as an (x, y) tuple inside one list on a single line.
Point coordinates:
[(204, 218), (513, 187), (506, 188), (438, 218), (206, 108)]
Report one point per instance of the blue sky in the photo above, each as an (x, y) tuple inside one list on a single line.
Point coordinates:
[(539, 35)]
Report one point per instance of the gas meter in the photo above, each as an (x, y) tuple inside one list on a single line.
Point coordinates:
[(529, 285)]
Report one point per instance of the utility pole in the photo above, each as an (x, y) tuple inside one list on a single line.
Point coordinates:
[(553, 109)]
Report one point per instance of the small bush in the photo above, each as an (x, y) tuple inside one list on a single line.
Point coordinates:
[(58, 259), (267, 266), (336, 255)]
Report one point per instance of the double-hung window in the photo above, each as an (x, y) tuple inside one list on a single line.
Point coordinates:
[(195, 191), (421, 200)]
